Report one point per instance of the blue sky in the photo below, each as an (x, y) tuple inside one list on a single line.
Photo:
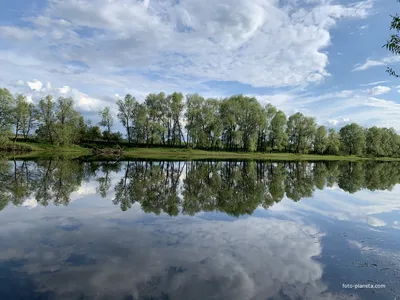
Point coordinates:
[(320, 57)]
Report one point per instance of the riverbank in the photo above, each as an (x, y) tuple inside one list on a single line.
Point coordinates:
[(42, 150)]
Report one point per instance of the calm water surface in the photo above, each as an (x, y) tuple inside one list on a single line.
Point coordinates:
[(199, 230)]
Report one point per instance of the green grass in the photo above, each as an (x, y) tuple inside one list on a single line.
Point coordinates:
[(42, 150)]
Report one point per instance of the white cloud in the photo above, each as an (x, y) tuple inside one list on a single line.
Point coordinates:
[(257, 42), (17, 33), (64, 89), (374, 83), (35, 85), (379, 90), (374, 63)]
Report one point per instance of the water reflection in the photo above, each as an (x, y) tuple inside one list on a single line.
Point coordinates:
[(234, 235), (234, 187)]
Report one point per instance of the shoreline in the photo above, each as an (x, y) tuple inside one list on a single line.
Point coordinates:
[(46, 151)]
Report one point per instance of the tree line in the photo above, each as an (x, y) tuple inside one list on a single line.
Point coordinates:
[(235, 188), (237, 123)]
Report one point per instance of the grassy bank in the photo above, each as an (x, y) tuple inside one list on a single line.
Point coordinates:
[(41, 150)]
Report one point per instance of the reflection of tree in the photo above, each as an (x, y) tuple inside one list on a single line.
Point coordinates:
[(105, 177), (351, 178), (234, 187), (275, 179), (299, 181), (5, 176), (154, 185)]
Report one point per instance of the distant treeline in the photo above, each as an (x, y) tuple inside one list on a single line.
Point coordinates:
[(233, 187), (238, 123)]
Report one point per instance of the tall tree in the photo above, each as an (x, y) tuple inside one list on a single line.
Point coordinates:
[(30, 122), (278, 136), (107, 121), (333, 142), (320, 140), (20, 114), (353, 139), (6, 107), (67, 121), (301, 131), (157, 109), (47, 117), (176, 106), (125, 113)]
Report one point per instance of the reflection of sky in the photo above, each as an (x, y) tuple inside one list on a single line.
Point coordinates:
[(302, 250)]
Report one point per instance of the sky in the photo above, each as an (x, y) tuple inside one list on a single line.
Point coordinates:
[(323, 58)]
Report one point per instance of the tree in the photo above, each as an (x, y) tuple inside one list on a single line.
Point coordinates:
[(264, 130), (30, 122), (352, 137), (125, 113), (47, 117), (107, 120), (393, 44), (67, 121), (320, 140), (157, 109), (20, 115), (300, 131), (278, 137), (6, 106), (175, 109), (333, 142)]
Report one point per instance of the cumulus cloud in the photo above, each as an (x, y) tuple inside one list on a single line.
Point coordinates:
[(379, 90), (262, 43), (35, 85)]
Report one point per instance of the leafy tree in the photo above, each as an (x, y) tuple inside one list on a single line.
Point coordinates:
[(30, 121), (67, 121), (333, 143), (278, 137), (47, 117), (156, 105), (264, 127), (6, 107), (320, 140), (353, 139), (125, 113), (175, 108), (20, 115), (300, 131), (107, 120)]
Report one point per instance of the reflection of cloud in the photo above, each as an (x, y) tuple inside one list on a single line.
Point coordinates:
[(30, 203), (362, 206), (183, 257)]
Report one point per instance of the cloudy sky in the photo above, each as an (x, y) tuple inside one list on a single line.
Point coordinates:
[(320, 57)]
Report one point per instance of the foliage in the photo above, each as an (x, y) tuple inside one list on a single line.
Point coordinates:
[(232, 187), (235, 124), (6, 108), (393, 44), (353, 139)]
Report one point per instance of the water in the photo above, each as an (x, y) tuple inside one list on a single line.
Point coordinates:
[(199, 230)]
